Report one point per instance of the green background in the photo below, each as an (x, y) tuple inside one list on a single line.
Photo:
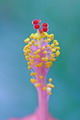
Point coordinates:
[(18, 97)]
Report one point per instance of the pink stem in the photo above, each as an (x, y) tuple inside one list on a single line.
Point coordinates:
[(42, 96), (43, 105)]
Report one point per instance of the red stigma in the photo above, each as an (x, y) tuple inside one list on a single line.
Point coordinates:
[(36, 21), (36, 26), (45, 29), (45, 25)]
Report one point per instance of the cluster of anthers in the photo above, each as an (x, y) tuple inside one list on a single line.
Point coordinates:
[(40, 52)]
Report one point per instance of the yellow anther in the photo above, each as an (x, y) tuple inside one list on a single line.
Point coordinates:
[(29, 63), (44, 58), (36, 44), (52, 36), (44, 88), (45, 34), (25, 48), (53, 50), (52, 59), (31, 60), (57, 48), (38, 50), (32, 36), (52, 45), (43, 48), (56, 42), (45, 41), (33, 74), (32, 56), (49, 93), (50, 80), (33, 80), (35, 53), (48, 45), (50, 85), (29, 67), (28, 51), (37, 56), (32, 41), (35, 37), (30, 44), (25, 54), (57, 53), (27, 40), (38, 85), (48, 36), (49, 48), (45, 52), (42, 36), (48, 40), (41, 77), (48, 64), (27, 57), (39, 65), (52, 54)]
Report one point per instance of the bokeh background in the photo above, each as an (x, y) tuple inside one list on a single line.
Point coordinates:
[(18, 97)]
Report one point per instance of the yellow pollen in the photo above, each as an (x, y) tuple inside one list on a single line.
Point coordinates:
[(27, 40), (25, 54), (35, 53), (50, 85), (45, 41), (44, 88), (32, 41), (38, 85), (43, 48), (45, 34), (33, 80), (35, 37), (33, 74), (32, 56), (32, 36), (52, 36), (29, 63), (57, 48), (52, 59), (48, 64), (53, 50), (48, 45), (45, 52), (39, 65), (37, 56), (44, 58), (30, 44), (41, 77), (48, 40), (57, 53), (27, 57), (31, 60), (52, 54), (52, 45), (56, 42), (29, 67), (49, 93), (36, 44), (50, 80), (38, 50)]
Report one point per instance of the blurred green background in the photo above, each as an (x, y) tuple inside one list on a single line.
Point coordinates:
[(18, 97)]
